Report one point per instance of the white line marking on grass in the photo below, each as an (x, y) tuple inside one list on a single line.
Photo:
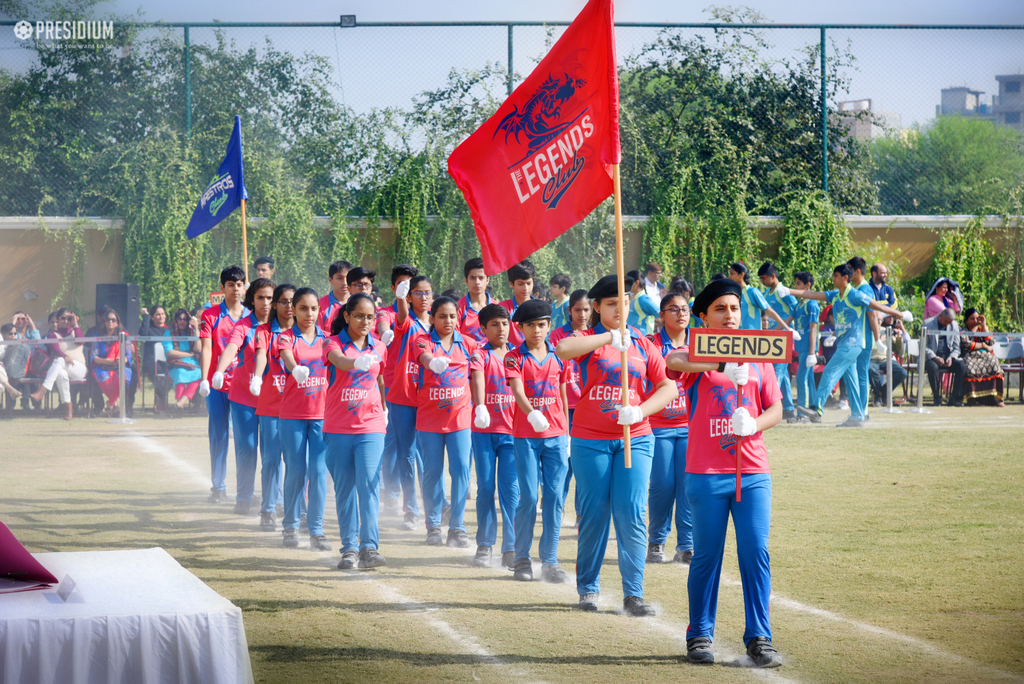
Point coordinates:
[(150, 445)]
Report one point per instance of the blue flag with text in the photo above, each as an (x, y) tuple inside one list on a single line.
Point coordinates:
[(225, 191)]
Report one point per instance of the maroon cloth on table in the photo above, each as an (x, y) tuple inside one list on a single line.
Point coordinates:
[(17, 563)]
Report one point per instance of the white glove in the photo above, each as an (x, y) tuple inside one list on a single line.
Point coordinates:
[(438, 364), (881, 346), (482, 417), (811, 361), (908, 317), (300, 373), (630, 415), (363, 363), (538, 421), (830, 341), (739, 373), (218, 380), (255, 385), (781, 291), (387, 337), (618, 342), (796, 334), (402, 290), (743, 424), (386, 415), (204, 388)]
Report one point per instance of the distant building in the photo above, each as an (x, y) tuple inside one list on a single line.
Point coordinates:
[(963, 102), (1008, 106), (864, 122)]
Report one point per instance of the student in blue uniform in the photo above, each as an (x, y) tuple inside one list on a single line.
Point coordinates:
[(752, 303), (784, 307), (805, 320)]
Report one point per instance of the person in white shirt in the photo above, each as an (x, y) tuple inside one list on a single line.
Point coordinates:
[(652, 283)]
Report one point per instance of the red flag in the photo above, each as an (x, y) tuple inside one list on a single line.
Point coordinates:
[(543, 161)]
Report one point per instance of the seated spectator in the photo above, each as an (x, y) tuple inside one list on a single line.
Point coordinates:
[(25, 327), (8, 332), (883, 291), (876, 367), (943, 355), (68, 360), (183, 357), (154, 324), (944, 294), (983, 382), (52, 323), (104, 361)]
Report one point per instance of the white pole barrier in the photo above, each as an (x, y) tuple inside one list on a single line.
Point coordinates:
[(920, 373), (888, 373), (122, 402)]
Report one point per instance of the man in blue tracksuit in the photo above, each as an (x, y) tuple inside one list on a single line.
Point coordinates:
[(857, 264), (805, 321)]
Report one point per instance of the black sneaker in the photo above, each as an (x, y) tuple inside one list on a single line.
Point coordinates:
[(508, 560), (318, 542), (588, 603), (851, 423), (302, 522), (242, 507), (410, 522), (637, 607), (482, 559), (655, 553), (698, 650), (813, 415), (371, 558), (523, 570), (762, 652), (446, 514), (217, 496), (790, 416), (291, 539), (268, 523), (434, 537), (553, 574), (458, 539), (348, 560), (683, 557)]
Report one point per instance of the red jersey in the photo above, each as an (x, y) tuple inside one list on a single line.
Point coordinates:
[(354, 403), (406, 369), (444, 401), (305, 401), (498, 399), (274, 375), (469, 319), (713, 397), (675, 415), (573, 387), (542, 382), (596, 414), (330, 307), (243, 335), (216, 324), (515, 338)]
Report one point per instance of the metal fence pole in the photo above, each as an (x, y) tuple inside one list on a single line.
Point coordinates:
[(123, 399), (824, 118), (188, 85), (920, 373), (888, 374), (510, 72)]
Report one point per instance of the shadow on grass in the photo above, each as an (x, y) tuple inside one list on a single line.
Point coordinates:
[(295, 654), (277, 606)]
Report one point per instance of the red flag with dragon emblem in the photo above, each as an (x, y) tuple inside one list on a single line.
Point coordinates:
[(543, 161)]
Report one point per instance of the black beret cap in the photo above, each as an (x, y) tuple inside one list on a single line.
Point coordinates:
[(532, 310), (714, 290), (609, 287)]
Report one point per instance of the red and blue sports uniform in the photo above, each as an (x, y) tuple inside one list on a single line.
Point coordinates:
[(469, 319), (216, 325), (401, 372), (573, 391), (267, 411), (389, 466), (243, 407), (515, 338), (330, 307)]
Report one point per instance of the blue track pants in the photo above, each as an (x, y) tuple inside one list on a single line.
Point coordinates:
[(495, 461), (806, 392), (217, 405), (668, 488), (843, 364), (354, 462), (247, 431), (540, 463), (407, 453), (271, 465), (303, 445), (433, 446)]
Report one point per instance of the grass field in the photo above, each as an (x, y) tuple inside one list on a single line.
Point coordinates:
[(897, 555)]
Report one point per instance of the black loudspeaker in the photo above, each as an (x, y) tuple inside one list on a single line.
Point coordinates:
[(124, 299)]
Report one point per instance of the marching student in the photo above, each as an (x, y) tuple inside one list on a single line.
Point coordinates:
[(302, 420), (269, 367), (805, 320), (579, 318), (241, 351), (785, 308), (443, 418), (215, 328), (385, 326), (754, 304), (520, 279), (730, 406), (264, 267), (331, 303), (354, 425), (849, 307), (537, 378), (412, 319), (493, 448), (671, 435), (606, 487), (871, 321), (359, 280), (559, 286), (475, 300)]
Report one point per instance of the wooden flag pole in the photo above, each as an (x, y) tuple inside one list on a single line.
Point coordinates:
[(620, 271), (245, 245)]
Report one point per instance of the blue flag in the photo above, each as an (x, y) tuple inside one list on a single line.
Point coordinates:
[(225, 191)]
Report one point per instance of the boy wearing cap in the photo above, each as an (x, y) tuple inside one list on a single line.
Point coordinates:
[(537, 378)]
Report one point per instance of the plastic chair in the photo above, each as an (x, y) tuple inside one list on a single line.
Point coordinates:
[(1006, 353)]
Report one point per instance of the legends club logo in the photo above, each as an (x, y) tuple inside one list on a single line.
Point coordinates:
[(65, 30)]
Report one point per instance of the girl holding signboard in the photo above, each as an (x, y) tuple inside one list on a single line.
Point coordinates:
[(730, 406)]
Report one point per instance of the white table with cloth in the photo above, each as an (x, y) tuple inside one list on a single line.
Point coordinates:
[(135, 617)]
